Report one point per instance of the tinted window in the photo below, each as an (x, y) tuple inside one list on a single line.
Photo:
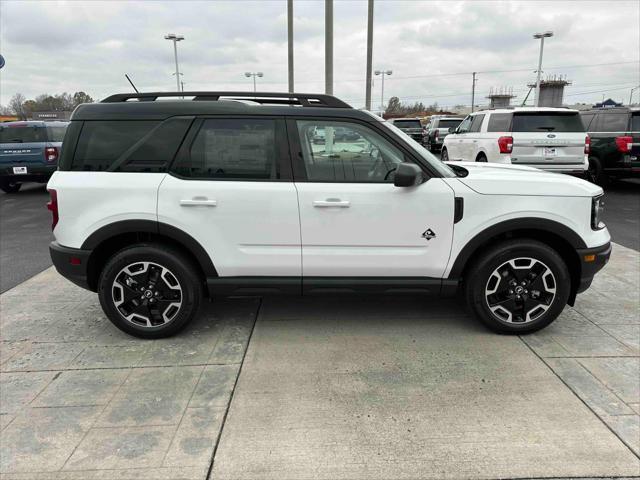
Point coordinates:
[(635, 122), (407, 123), (476, 123), (547, 122), (499, 122), (22, 134), (102, 143), (464, 125), (357, 154), (240, 149), (56, 134), (449, 123), (613, 122), (587, 118)]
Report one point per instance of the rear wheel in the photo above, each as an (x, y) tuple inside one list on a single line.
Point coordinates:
[(481, 158), (444, 156), (9, 186), (595, 174), (149, 291), (518, 286)]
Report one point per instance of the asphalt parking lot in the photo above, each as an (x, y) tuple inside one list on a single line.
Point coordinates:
[(366, 388)]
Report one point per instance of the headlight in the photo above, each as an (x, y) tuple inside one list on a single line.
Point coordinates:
[(597, 206)]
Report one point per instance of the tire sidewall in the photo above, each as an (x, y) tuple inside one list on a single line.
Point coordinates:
[(444, 155), (480, 276), (178, 266)]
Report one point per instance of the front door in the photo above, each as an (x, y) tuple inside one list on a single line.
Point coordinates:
[(354, 221), (231, 190)]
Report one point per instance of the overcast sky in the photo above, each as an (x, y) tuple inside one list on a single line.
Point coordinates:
[(52, 47)]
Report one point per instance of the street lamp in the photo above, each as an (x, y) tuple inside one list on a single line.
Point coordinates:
[(175, 39), (383, 73), (254, 75), (541, 36)]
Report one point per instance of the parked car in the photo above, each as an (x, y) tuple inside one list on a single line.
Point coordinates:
[(157, 204), (437, 129), (551, 139), (411, 126), (615, 143), (339, 135), (29, 152)]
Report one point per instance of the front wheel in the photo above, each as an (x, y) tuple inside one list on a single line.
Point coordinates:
[(518, 286), (444, 156), (149, 291), (9, 186)]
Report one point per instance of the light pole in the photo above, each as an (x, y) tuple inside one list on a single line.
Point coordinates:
[(254, 75), (631, 94), (541, 36), (383, 73), (175, 39)]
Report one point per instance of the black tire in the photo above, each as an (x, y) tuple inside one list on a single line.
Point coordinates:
[(487, 275), (596, 174), (8, 186), (481, 158), (182, 284), (444, 155)]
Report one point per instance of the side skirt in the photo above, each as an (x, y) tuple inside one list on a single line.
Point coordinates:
[(264, 286)]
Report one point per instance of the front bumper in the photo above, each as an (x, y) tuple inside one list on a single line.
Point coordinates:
[(591, 262), (71, 263)]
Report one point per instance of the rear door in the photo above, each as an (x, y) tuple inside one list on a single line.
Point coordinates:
[(230, 188), (547, 138), (21, 145)]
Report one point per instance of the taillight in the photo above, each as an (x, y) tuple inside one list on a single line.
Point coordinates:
[(505, 144), (51, 154), (624, 143), (52, 206), (587, 145)]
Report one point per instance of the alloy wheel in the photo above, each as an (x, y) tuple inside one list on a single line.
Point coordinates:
[(520, 290), (147, 294)]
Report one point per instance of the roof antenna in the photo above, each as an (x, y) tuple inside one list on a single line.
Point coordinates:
[(134, 87)]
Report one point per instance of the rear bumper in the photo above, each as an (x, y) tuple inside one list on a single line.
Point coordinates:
[(591, 262), (35, 172), (71, 263)]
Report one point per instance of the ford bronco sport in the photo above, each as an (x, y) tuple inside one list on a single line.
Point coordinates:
[(159, 203)]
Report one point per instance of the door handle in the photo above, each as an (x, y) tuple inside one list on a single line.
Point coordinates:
[(331, 202), (195, 202)]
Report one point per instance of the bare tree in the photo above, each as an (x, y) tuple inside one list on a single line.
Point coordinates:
[(16, 104)]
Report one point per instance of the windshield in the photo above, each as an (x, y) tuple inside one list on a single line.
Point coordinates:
[(449, 123), (547, 122), (422, 152), (407, 123), (22, 134)]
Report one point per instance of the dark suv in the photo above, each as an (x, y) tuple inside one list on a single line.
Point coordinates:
[(29, 152), (438, 128), (615, 142)]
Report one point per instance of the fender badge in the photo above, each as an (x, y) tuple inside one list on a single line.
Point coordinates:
[(428, 234)]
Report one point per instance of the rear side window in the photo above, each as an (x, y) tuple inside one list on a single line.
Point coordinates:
[(101, 143), (232, 149), (499, 122), (22, 134), (635, 122), (613, 122), (547, 122), (56, 134), (476, 123)]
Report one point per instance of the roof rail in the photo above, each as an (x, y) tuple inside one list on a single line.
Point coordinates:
[(268, 98)]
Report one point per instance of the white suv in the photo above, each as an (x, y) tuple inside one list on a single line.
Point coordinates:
[(552, 139), (157, 204)]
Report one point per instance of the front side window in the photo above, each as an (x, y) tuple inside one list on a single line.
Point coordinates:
[(232, 149), (476, 123), (465, 125), (346, 152)]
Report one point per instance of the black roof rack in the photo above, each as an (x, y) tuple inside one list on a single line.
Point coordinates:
[(268, 98)]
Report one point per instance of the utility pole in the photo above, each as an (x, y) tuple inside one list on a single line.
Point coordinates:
[(473, 92), (369, 55), (290, 42), (540, 36), (328, 47), (175, 38)]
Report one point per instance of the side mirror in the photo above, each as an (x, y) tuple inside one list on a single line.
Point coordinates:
[(408, 175), (452, 129)]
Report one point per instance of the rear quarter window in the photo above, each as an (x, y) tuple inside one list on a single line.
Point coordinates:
[(547, 122), (499, 122)]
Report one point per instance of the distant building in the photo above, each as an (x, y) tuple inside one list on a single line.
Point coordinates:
[(608, 103), (8, 118), (500, 97), (53, 115), (551, 91)]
